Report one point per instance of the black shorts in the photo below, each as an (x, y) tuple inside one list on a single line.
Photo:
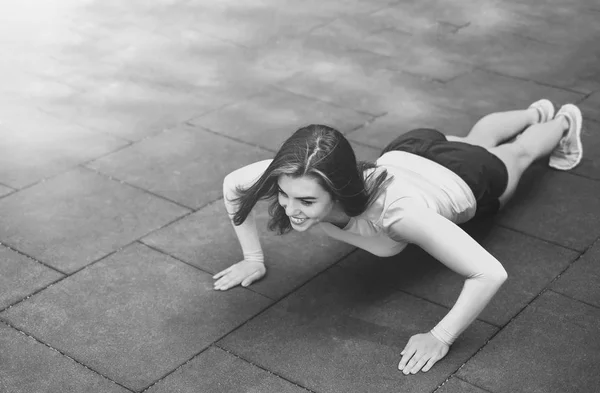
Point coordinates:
[(483, 172)]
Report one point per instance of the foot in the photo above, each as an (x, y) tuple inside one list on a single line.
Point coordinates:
[(567, 154), (545, 110)]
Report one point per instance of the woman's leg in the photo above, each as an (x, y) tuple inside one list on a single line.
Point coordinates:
[(537, 141), (497, 128)]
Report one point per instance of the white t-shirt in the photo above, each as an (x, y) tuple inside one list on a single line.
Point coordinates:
[(416, 181)]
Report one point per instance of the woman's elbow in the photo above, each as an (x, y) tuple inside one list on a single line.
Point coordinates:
[(499, 276)]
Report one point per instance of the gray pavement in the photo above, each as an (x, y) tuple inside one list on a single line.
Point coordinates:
[(119, 120)]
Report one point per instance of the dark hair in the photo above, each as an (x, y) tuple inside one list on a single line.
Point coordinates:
[(326, 155)]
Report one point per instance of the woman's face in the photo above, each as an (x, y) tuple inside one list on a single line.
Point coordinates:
[(306, 203)]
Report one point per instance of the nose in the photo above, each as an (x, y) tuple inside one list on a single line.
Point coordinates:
[(291, 208)]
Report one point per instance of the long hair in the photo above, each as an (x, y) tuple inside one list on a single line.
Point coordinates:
[(326, 155)]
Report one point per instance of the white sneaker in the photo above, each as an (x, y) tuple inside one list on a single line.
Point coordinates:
[(567, 154), (545, 110)]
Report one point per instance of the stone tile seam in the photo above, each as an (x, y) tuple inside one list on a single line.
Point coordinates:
[(14, 249), (9, 194), (166, 375), (567, 89), (461, 379), (67, 275), (25, 333), (166, 253), (81, 164), (558, 292), (442, 305), (268, 307), (585, 97), (264, 369), (214, 343), (31, 295), (547, 241), (581, 175), (416, 75), (120, 181), (330, 103), (211, 131), (7, 186), (544, 290), (75, 122)]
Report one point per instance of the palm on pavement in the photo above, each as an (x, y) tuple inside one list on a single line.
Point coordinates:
[(244, 273)]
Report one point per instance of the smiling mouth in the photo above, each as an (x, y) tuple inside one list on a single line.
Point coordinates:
[(297, 221)]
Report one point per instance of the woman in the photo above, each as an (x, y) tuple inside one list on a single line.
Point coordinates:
[(420, 188)]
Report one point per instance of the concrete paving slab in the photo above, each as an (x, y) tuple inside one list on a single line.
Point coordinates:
[(344, 333), (551, 347), (78, 217), (217, 371), (21, 276), (134, 316), (257, 23), (555, 206), (30, 153), (377, 91), (581, 280), (590, 106), (220, 72), (562, 23), (408, 116), (456, 385), (192, 164), (268, 120), (324, 55), (206, 239), (430, 16), (532, 41), (481, 92), (531, 265), (131, 109), (369, 33), (27, 366), (590, 139), (476, 93), (250, 23)]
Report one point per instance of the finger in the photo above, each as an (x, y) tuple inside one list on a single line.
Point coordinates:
[(222, 273), (408, 353), (429, 364), (226, 283), (410, 364), (250, 279), (222, 280), (417, 367)]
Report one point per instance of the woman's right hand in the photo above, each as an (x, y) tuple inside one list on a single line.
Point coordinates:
[(244, 273)]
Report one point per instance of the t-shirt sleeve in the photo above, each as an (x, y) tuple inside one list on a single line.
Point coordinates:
[(393, 213)]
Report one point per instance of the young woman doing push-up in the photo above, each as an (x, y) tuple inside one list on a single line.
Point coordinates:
[(419, 189)]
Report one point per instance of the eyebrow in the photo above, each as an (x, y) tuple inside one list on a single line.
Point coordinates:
[(302, 198)]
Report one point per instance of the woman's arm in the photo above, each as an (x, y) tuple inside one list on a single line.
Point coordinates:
[(449, 244), (252, 267)]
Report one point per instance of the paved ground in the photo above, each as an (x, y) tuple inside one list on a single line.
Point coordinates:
[(119, 120)]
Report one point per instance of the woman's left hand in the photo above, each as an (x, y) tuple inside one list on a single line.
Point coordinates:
[(421, 353)]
